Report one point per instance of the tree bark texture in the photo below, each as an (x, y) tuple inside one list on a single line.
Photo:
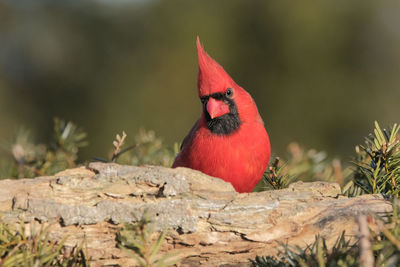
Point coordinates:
[(209, 223)]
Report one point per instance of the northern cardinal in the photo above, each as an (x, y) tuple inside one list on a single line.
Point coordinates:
[(229, 140)]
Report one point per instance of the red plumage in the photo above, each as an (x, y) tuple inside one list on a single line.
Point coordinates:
[(229, 140)]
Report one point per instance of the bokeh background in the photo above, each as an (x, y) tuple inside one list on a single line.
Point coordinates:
[(321, 72)]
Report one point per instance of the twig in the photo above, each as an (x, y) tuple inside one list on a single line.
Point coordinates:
[(337, 171), (366, 256), (115, 156), (118, 143)]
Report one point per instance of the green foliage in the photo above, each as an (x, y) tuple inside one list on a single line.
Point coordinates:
[(137, 240), (20, 248), (378, 163), (384, 239), (30, 160), (309, 165), (147, 149), (377, 166), (343, 254), (273, 177), (304, 165), (377, 171), (63, 152), (92, 66)]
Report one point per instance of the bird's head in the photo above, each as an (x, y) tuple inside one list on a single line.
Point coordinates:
[(223, 100)]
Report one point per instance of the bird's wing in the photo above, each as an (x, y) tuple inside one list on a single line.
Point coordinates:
[(188, 138), (181, 159)]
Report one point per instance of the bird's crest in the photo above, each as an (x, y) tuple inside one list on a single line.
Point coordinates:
[(212, 78)]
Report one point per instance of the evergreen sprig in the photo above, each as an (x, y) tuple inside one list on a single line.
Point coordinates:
[(19, 247), (386, 236), (303, 165), (137, 240), (275, 177), (378, 162), (31, 160), (148, 148), (344, 253), (63, 152)]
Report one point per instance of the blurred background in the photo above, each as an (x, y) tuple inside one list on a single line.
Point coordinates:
[(320, 72)]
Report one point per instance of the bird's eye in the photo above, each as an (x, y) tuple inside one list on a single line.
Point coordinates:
[(229, 93), (203, 100)]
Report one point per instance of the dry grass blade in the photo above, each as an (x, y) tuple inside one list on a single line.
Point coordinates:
[(366, 257), (118, 144), (138, 241), (19, 247)]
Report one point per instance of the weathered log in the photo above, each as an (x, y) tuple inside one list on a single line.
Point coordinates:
[(209, 222)]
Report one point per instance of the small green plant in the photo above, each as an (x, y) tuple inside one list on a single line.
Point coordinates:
[(377, 170), (309, 165), (378, 163), (30, 249), (63, 152), (273, 177), (385, 234), (343, 253), (151, 150), (138, 240), (304, 165), (147, 149), (385, 243), (31, 160)]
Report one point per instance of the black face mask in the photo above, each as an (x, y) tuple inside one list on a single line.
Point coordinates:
[(227, 123)]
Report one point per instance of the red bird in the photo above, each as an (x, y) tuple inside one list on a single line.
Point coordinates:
[(229, 140)]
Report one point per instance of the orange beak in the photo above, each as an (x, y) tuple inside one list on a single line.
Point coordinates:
[(216, 108)]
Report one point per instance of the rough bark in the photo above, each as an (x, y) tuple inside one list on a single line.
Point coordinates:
[(209, 222)]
